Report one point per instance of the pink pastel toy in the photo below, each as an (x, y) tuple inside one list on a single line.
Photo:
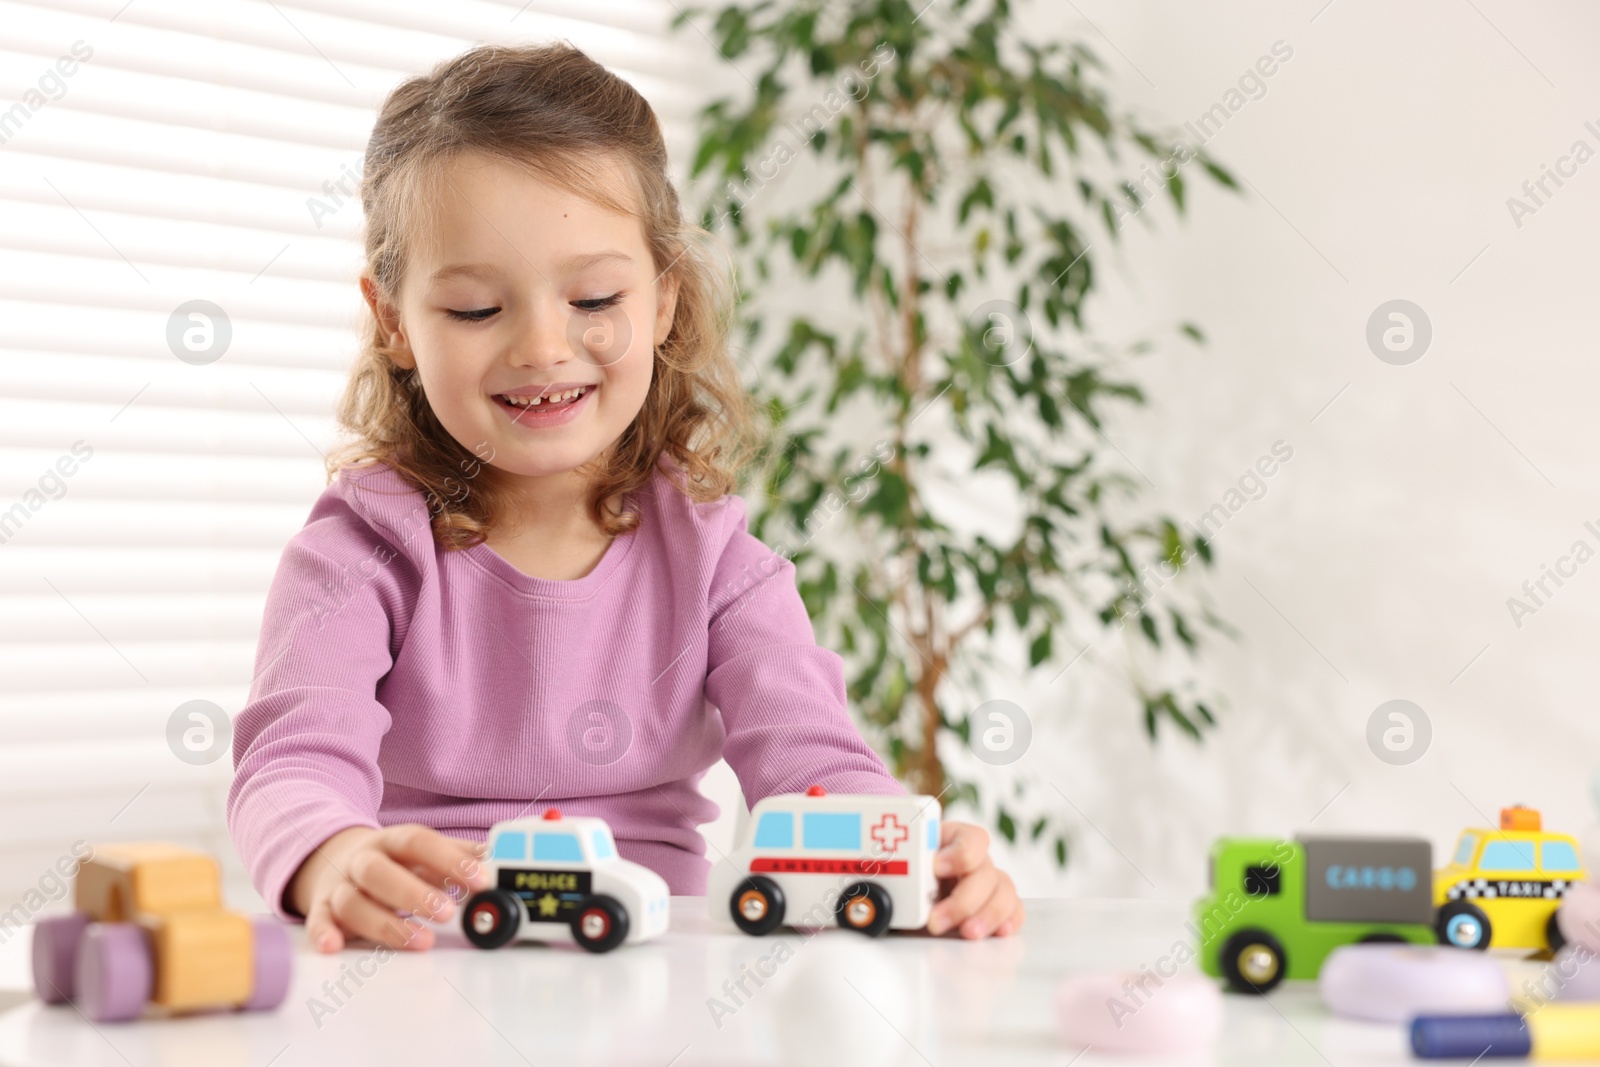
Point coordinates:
[(1391, 983), (1139, 1012), (1574, 974), (1579, 917)]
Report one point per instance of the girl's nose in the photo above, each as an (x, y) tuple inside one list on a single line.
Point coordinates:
[(544, 339)]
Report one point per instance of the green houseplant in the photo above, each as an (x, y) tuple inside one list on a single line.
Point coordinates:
[(951, 191)]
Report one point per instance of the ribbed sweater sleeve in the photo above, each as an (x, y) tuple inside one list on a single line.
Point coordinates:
[(305, 747), (782, 697)]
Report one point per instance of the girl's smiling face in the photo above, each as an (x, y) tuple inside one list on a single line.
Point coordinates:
[(524, 290)]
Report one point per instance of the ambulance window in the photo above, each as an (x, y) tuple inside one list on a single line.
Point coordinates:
[(562, 848), (1559, 856), (1464, 849), (511, 845), (829, 829), (775, 830), (1507, 856), (603, 848), (933, 835)]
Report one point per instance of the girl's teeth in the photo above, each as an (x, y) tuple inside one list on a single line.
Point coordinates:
[(554, 398)]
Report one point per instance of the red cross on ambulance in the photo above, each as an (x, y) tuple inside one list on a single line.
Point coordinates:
[(890, 832)]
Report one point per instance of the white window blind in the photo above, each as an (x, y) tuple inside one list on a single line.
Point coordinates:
[(175, 163)]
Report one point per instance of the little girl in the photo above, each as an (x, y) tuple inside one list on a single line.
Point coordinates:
[(527, 584)]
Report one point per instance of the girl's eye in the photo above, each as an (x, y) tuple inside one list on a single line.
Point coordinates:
[(476, 315), (599, 303)]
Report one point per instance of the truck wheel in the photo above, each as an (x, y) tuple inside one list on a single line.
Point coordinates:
[(757, 905), (491, 918), (114, 974), (1253, 961), (865, 907), (1463, 925), (273, 964), (601, 924), (55, 954), (1552, 933)]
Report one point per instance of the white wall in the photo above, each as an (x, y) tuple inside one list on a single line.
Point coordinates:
[(1379, 563)]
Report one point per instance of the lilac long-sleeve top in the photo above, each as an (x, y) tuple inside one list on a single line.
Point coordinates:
[(397, 681)]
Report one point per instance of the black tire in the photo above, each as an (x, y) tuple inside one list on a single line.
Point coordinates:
[(866, 908), (1253, 961), (1382, 939), (1463, 925), (756, 905), (601, 924), (1552, 933), (491, 918)]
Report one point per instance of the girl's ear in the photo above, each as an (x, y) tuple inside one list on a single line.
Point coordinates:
[(666, 305), (388, 317)]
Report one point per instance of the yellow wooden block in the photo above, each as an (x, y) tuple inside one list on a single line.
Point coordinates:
[(121, 882), (202, 959)]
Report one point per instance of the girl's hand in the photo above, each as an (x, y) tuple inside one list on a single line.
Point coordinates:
[(356, 881), (974, 894)]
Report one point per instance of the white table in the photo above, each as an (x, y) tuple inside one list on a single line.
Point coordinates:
[(986, 1002)]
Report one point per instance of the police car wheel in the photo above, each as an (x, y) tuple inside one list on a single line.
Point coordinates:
[(1552, 933), (1463, 925), (601, 924), (491, 918), (865, 907), (1253, 961), (757, 905)]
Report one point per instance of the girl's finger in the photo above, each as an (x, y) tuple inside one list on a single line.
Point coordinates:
[(363, 917), (321, 930), (391, 885), (965, 847), (994, 911), (964, 899), (1013, 924), (448, 858)]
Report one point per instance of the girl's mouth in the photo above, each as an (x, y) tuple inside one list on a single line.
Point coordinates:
[(546, 411)]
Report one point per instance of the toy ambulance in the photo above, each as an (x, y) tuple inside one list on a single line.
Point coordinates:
[(1502, 887), (558, 878), (860, 860)]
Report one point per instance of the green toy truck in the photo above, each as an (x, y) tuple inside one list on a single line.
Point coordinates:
[(1277, 908)]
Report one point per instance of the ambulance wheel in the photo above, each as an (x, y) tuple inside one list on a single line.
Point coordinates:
[(601, 924), (1252, 961), (1463, 925), (1553, 934), (491, 918), (757, 905), (865, 907)]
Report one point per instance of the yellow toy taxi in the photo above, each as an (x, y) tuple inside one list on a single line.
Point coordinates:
[(1501, 888)]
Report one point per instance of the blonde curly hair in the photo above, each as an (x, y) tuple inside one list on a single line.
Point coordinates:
[(558, 113)]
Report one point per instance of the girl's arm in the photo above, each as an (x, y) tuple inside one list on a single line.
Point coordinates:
[(306, 791), (788, 724), (782, 697)]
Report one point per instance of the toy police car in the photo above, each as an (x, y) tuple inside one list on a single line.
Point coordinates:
[(862, 861), (556, 878)]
